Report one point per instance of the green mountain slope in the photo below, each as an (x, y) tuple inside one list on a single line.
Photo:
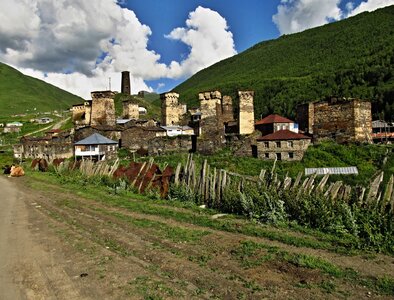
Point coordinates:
[(19, 93), (350, 58)]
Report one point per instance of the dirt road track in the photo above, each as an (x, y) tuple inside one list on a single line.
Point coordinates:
[(27, 269)]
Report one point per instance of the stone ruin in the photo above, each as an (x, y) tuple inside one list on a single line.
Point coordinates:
[(343, 120)]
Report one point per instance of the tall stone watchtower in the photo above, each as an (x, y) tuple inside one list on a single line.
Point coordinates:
[(171, 110), (246, 112), (125, 88), (209, 102), (103, 108)]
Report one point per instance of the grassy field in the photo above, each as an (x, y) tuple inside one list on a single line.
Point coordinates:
[(9, 139), (155, 249), (20, 94)]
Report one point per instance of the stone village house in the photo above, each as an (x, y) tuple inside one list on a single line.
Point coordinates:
[(282, 145), (280, 139), (55, 144)]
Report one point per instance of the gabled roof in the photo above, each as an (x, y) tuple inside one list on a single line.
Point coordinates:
[(273, 119), (283, 135), (95, 139)]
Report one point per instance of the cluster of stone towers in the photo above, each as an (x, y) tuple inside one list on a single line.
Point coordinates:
[(100, 111), (217, 117)]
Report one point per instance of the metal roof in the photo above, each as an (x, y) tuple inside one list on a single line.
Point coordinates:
[(176, 127), (283, 135), (122, 121), (95, 139), (335, 170), (273, 119)]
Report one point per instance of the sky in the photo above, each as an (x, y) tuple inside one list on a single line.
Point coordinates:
[(82, 46)]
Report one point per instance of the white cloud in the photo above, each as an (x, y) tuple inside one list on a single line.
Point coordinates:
[(370, 5), (298, 15), (209, 40), (93, 42)]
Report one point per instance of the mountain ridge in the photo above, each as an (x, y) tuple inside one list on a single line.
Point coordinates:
[(349, 58)]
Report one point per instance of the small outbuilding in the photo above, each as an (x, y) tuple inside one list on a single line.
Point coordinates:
[(95, 147)]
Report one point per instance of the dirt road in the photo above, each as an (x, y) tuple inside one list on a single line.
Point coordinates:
[(29, 267), (59, 243)]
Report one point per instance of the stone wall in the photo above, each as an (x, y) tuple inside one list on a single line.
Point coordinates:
[(103, 108), (111, 133), (154, 141), (137, 137), (130, 110), (111, 151), (212, 132), (342, 120), (46, 150), (246, 112), (269, 149), (171, 110), (162, 145)]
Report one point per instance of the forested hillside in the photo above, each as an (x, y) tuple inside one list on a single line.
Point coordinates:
[(350, 58), (19, 93)]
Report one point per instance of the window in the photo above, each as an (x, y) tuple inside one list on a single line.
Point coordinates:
[(267, 155), (279, 156), (277, 144), (291, 155), (290, 144), (266, 144)]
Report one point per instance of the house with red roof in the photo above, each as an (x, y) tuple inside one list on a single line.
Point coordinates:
[(283, 145), (274, 123)]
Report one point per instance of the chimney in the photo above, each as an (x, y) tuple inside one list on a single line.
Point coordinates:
[(125, 88)]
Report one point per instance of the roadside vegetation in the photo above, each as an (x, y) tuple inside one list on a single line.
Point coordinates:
[(233, 249), (341, 225)]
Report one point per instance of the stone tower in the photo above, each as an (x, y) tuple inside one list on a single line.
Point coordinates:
[(227, 109), (171, 110), (130, 110), (103, 108), (246, 112), (208, 102), (125, 88)]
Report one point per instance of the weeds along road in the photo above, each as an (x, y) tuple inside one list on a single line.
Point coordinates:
[(61, 242)]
